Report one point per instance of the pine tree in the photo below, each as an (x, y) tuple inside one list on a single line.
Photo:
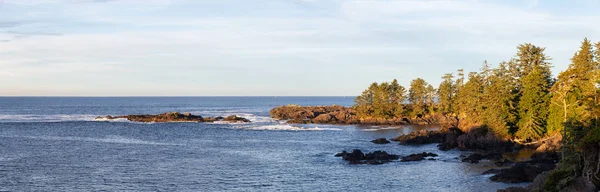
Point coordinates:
[(498, 114), (383, 100), (446, 94), (535, 81), (430, 94), (573, 93), (417, 96)]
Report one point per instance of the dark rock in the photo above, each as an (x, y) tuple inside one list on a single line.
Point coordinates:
[(503, 162), (513, 189), (164, 117), (523, 171), (177, 117), (355, 156), (381, 141), (431, 159), (476, 157), (473, 158), (418, 156), (376, 157), (491, 171)]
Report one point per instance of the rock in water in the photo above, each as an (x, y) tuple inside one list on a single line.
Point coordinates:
[(418, 156), (522, 171), (376, 157), (178, 117), (381, 141)]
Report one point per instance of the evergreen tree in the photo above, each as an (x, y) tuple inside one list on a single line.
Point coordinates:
[(382, 100), (417, 96), (573, 93), (498, 114), (534, 101), (430, 91), (446, 94), (469, 106)]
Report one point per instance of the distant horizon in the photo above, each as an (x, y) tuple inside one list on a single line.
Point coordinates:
[(187, 96)]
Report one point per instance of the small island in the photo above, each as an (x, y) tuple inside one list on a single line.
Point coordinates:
[(176, 117)]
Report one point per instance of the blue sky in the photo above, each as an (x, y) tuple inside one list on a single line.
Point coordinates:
[(269, 47)]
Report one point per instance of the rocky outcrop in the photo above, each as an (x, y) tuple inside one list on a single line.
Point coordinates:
[(333, 114), (523, 171), (374, 158), (417, 157), (450, 138), (380, 141), (176, 117), (476, 157), (336, 114)]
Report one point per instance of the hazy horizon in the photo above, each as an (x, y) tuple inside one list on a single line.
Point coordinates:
[(269, 48)]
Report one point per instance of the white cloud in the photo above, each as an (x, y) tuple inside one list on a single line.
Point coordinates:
[(357, 42)]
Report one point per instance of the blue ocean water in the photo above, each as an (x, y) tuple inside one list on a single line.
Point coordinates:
[(54, 144)]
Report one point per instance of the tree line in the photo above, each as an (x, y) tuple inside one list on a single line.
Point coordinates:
[(518, 98)]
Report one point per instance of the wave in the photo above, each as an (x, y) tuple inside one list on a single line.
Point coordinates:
[(47, 118), (377, 128), (109, 139), (284, 127)]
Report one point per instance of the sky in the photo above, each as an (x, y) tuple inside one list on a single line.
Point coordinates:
[(270, 47)]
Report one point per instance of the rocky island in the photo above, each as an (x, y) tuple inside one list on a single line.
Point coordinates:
[(175, 117)]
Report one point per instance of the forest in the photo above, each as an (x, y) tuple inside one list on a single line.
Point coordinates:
[(517, 99)]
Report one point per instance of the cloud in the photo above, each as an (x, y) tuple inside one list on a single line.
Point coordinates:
[(228, 47)]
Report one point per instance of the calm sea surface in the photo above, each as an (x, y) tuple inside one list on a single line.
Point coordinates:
[(54, 144)]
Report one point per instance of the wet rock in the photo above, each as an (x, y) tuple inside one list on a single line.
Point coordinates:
[(491, 171), (417, 156), (513, 189), (164, 117), (476, 157), (380, 141), (177, 117), (503, 162), (376, 157), (523, 171), (235, 119)]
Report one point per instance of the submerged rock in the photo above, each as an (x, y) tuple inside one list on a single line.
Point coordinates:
[(380, 141), (418, 156), (376, 157)]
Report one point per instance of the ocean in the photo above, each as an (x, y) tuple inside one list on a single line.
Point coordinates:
[(55, 144)]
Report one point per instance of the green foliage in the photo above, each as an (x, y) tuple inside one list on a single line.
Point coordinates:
[(418, 96), (446, 94), (558, 179), (469, 98), (574, 91), (499, 114), (382, 100), (534, 101)]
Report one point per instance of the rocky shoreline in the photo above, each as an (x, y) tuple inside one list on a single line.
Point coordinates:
[(335, 114), (485, 147), (175, 117)]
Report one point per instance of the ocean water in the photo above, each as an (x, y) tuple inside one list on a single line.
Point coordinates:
[(54, 144)]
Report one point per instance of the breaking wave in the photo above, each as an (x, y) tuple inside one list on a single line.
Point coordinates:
[(46, 118), (284, 127), (109, 139)]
